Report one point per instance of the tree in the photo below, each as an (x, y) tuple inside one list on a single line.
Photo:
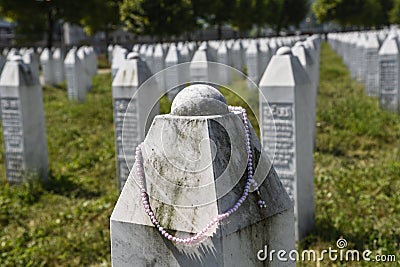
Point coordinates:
[(353, 12), (394, 14), (214, 12), (158, 18), (100, 16), (283, 13), (39, 15)]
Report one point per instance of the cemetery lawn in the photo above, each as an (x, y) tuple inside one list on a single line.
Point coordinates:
[(66, 221), (357, 168)]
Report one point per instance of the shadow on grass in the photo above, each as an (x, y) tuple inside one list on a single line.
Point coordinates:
[(66, 186)]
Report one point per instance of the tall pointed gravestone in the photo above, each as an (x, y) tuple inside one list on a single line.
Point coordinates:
[(143, 103), (307, 61), (46, 61), (74, 72), (372, 65), (389, 74), (58, 66), (225, 75), (172, 74), (23, 124), (288, 89), (188, 199)]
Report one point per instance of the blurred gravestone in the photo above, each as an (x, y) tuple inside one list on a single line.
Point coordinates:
[(252, 63), (74, 72), (58, 66), (46, 61), (143, 102), (389, 74), (23, 124), (372, 66), (288, 90), (172, 75), (225, 75), (31, 59)]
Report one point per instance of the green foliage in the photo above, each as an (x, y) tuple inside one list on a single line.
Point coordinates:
[(356, 166), (353, 12), (283, 13), (157, 18), (100, 15), (394, 15)]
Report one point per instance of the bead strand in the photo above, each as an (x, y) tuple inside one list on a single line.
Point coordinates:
[(198, 236)]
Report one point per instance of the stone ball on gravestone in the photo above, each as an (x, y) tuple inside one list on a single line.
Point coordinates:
[(284, 51), (199, 100)]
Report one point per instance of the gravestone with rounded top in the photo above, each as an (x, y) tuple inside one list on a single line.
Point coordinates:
[(237, 55), (288, 89), (194, 164), (23, 124), (125, 90), (389, 74)]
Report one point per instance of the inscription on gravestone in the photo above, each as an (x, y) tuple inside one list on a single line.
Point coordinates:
[(131, 123), (284, 158), (372, 77), (388, 84), (13, 138)]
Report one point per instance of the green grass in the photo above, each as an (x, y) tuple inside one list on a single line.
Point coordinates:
[(66, 221), (357, 167)]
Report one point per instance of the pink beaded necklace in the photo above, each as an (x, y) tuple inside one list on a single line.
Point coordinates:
[(198, 236)]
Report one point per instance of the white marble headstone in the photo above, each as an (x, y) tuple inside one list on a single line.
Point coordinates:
[(125, 90), (212, 138), (23, 124), (389, 74), (287, 87)]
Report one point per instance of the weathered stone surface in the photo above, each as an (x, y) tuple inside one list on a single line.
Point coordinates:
[(23, 124), (286, 86), (195, 169)]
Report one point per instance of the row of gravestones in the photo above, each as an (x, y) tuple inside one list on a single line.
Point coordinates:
[(77, 68), (373, 58), (248, 55), (21, 97), (289, 83)]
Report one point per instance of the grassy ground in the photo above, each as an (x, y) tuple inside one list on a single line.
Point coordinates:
[(66, 222), (357, 167)]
